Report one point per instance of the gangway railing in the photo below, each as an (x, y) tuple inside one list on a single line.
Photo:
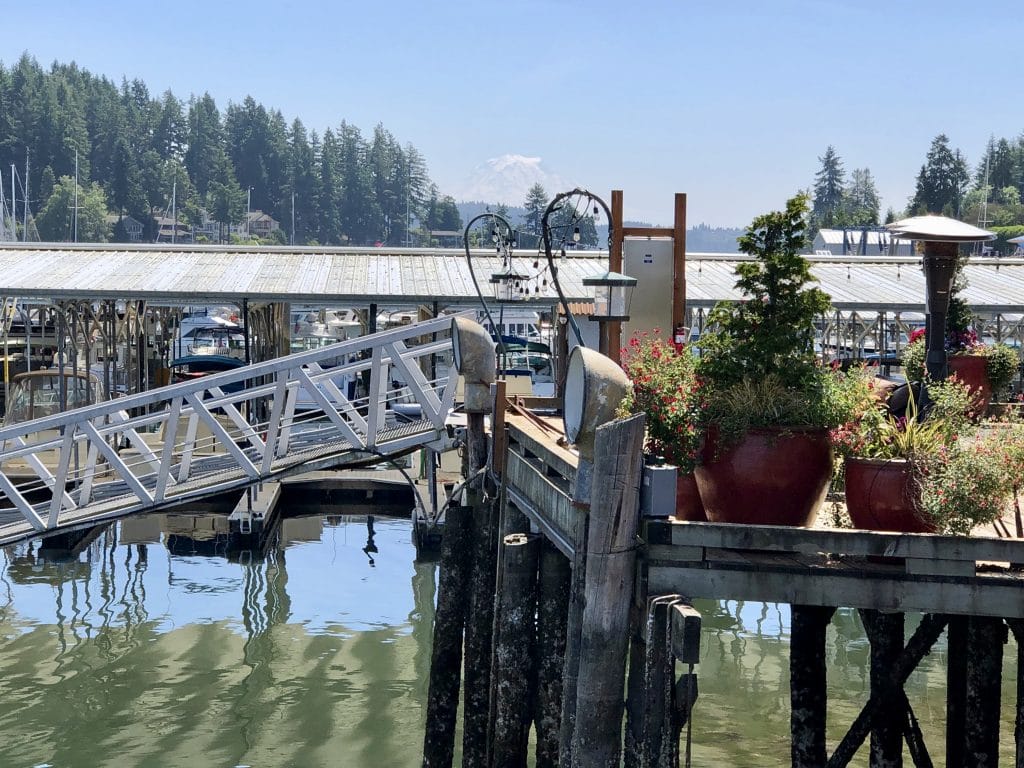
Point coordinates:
[(197, 438)]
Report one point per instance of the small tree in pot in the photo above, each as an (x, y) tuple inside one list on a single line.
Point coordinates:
[(768, 401)]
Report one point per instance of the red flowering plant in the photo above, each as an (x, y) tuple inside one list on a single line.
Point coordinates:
[(964, 473), (1002, 362), (665, 389)]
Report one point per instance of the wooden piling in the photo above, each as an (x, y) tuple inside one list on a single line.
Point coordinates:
[(610, 572), (885, 631), (573, 634), (480, 589), (446, 651), (985, 638), (1017, 626), (513, 653), (956, 690), (554, 584), (808, 690)]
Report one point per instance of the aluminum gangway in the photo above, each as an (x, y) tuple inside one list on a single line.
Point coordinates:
[(229, 430)]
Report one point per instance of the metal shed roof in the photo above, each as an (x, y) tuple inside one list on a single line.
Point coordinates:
[(163, 273), (217, 274)]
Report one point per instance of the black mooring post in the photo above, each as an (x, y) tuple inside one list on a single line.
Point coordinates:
[(446, 651), (956, 690), (517, 605), (885, 631), (554, 583), (808, 691), (985, 638)]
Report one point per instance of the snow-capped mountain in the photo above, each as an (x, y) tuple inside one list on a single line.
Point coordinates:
[(507, 179)]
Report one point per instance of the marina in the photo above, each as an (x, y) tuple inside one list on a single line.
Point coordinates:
[(566, 606)]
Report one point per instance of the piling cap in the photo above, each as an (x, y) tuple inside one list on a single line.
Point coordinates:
[(939, 229)]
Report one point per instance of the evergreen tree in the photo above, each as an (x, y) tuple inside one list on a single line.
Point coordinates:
[(205, 141), (535, 205), (829, 189), (329, 203), (861, 203), (304, 183), (942, 180)]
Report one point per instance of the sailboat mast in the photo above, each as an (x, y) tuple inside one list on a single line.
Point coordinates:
[(76, 195), (174, 208), (24, 226)]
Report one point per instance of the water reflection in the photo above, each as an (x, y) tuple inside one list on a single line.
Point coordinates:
[(742, 715), (158, 653), (162, 644)]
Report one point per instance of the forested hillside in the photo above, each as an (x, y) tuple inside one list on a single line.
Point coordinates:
[(134, 150)]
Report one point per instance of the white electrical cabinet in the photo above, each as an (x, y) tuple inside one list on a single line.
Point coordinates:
[(650, 261)]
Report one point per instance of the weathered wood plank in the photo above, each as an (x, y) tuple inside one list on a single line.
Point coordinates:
[(980, 596), (776, 538), (611, 554)]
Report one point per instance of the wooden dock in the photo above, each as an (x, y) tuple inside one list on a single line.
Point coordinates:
[(618, 590)]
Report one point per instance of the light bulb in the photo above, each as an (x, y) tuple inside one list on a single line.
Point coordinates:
[(576, 234)]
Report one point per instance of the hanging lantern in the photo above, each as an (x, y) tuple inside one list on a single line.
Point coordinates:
[(507, 284), (613, 293)]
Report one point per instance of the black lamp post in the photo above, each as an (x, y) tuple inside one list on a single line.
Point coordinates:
[(502, 237), (613, 290), (940, 237)]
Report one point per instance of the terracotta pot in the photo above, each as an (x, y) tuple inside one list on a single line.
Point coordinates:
[(881, 496), (972, 370), (769, 477), (688, 503)]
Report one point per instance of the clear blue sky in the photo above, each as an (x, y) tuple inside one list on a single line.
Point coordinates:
[(731, 102)]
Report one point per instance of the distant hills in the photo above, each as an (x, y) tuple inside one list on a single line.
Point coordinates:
[(699, 239)]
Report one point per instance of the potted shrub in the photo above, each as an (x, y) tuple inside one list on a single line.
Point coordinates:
[(766, 402), (987, 369), (928, 473), (665, 389)]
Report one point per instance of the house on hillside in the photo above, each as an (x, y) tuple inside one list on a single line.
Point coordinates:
[(169, 231), (862, 241), (260, 224), (208, 230), (132, 227)]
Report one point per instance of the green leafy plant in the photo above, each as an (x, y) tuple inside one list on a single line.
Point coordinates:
[(665, 388), (758, 363), (964, 473), (1002, 362)]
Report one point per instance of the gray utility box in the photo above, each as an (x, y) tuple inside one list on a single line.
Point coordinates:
[(658, 490), (651, 261)]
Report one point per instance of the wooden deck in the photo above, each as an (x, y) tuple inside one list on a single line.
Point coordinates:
[(821, 566)]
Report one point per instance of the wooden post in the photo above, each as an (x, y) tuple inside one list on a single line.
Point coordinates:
[(611, 558), (1017, 625), (885, 631), (516, 609), (554, 585), (679, 262), (614, 328), (483, 551), (956, 690), (808, 690), (985, 638), (446, 651), (574, 622)]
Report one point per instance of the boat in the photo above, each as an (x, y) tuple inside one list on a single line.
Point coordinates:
[(41, 393)]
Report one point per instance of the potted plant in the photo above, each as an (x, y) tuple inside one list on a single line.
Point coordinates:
[(766, 402), (665, 389), (927, 473), (987, 369)]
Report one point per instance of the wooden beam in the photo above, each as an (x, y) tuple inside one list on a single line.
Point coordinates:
[(614, 328), (647, 231), (679, 262), (808, 688)]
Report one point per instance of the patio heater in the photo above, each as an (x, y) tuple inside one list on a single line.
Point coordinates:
[(940, 238)]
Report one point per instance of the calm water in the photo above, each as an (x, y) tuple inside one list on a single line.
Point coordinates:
[(318, 653)]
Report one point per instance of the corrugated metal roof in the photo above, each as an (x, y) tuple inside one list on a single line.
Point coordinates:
[(354, 276), (197, 274)]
